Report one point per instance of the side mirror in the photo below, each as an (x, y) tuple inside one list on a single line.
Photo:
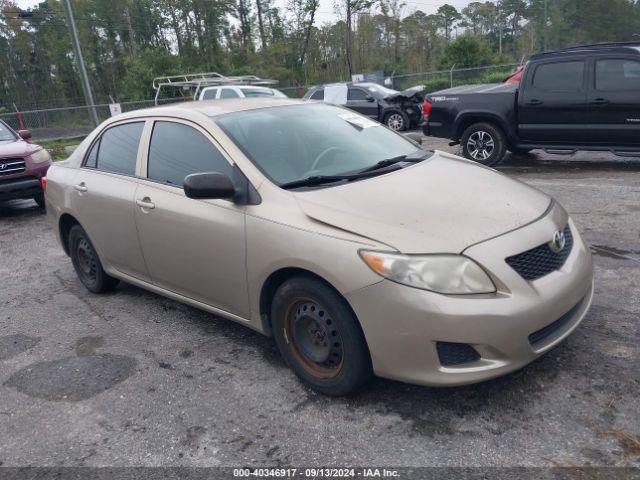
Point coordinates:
[(370, 98), (416, 137), (209, 186), (25, 134)]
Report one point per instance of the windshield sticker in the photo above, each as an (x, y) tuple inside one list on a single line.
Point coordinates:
[(357, 120)]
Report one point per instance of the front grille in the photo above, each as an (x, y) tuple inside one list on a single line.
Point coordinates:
[(538, 337), (541, 260), (9, 166), (451, 354)]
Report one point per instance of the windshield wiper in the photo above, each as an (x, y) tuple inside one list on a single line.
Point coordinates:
[(413, 158), (315, 180), (367, 172)]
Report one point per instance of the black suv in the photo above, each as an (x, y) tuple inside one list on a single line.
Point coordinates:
[(579, 98), (397, 110)]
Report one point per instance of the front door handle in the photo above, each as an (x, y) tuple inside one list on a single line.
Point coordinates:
[(145, 203), (535, 101), (81, 187), (600, 101)]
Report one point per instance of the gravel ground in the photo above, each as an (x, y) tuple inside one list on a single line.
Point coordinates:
[(131, 378)]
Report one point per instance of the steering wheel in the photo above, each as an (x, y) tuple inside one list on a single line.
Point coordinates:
[(322, 157)]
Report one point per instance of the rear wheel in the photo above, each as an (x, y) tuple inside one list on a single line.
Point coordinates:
[(483, 143), (87, 264), (319, 337), (397, 121)]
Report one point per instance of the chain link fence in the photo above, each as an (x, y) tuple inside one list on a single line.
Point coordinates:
[(75, 121)]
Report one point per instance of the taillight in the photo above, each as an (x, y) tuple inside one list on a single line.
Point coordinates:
[(426, 109), (43, 183)]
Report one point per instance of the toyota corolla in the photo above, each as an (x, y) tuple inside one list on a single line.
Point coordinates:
[(359, 251)]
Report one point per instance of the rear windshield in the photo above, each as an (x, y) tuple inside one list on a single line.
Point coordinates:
[(261, 92)]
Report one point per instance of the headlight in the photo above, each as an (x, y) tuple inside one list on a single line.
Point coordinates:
[(442, 273), (40, 156)]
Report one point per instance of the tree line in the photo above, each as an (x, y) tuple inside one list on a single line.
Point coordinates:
[(126, 43)]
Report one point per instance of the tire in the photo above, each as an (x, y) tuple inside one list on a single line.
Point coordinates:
[(87, 264), (319, 337), (396, 121), (39, 199), (484, 143)]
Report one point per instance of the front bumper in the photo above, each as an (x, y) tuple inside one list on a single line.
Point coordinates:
[(18, 188), (403, 324)]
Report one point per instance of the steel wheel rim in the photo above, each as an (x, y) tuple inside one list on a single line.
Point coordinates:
[(314, 338), (480, 145), (395, 121), (86, 260)]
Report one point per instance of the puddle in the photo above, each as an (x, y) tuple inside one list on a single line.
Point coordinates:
[(12, 345), (72, 378)]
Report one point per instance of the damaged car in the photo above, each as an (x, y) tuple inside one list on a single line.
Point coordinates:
[(397, 110)]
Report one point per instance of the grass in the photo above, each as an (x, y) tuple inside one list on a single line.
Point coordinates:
[(57, 147)]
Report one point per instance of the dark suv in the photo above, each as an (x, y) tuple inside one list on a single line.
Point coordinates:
[(22, 165), (397, 110), (579, 98)]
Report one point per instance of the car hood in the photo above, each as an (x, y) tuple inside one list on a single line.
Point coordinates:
[(408, 94), (16, 148), (441, 205)]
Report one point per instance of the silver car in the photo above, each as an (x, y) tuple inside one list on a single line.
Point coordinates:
[(359, 251)]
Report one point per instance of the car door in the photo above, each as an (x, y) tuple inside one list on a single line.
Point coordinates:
[(103, 197), (552, 103), (195, 248), (614, 101), (360, 101)]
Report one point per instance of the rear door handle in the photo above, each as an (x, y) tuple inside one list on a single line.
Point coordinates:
[(600, 101), (535, 102), (81, 187), (145, 203)]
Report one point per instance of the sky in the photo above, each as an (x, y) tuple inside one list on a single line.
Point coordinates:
[(326, 10)]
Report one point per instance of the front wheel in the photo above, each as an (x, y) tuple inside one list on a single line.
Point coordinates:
[(319, 337), (87, 264), (483, 143), (396, 121)]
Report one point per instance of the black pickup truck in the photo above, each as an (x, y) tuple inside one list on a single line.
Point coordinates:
[(579, 98)]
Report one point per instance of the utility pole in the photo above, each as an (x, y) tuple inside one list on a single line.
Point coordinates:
[(86, 87)]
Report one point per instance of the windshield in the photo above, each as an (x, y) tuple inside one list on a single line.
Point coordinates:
[(6, 133), (262, 92), (295, 142)]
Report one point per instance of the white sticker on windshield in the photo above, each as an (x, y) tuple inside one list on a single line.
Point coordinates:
[(357, 120)]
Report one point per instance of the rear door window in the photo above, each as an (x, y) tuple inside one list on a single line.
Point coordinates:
[(617, 74), (117, 149), (177, 150), (559, 77)]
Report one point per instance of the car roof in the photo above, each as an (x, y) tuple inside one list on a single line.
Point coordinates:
[(209, 108), (261, 87), (619, 47)]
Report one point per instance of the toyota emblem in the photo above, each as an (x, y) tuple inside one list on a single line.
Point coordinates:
[(558, 242)]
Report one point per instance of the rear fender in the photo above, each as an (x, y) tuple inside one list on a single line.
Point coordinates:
[(465, 119)]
